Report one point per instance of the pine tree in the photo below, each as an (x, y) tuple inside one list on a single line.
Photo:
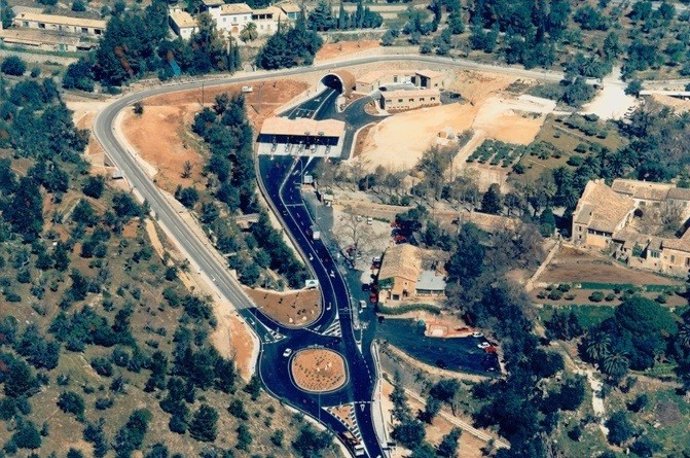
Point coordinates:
[(203, 426), (342, 17)]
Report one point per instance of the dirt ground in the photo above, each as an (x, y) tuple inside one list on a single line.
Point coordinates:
[(163, 137), (611, 102), (318, 370), (678, 105), (344, 48), (470, 446), (574, 265), (488, 109), (361, 140), (292, 308)]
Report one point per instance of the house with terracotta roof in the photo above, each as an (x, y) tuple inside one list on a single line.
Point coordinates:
[(600, 213), (411, 273), (606, 217)]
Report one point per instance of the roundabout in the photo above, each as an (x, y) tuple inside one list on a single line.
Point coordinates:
[(318, 370)]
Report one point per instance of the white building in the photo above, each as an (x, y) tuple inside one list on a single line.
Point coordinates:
[(232, 18), (268, 19), (182, 23), (56, 23)]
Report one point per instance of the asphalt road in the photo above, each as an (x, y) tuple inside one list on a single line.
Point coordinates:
[(274, 338)]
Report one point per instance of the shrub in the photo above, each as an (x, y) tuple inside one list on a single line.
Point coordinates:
[(596, 296), (575, 161), (71, 402), (581, 148), (555, 294), (13, 65), (102, 366), (94, 186), (610, 297)]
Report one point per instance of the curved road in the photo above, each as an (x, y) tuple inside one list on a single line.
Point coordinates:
[(280, 187)]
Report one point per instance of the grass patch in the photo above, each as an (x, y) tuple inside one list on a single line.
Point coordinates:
[(663, 371), (382, 309), (607, 286), (587, 315)]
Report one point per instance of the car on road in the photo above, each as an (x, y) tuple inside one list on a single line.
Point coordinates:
[(287, 352)]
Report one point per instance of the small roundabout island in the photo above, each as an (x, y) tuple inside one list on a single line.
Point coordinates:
[(318, 370)]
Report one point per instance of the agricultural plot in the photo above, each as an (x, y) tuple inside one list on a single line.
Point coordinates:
[(496, 153), (566, 142)]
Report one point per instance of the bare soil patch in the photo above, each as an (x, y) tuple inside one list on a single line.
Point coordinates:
[(573, 265), (678, 105), (344, 48), (241, 345), (318, 370), (295, 308), (162, 134), (668, 413), (399, 140), (361, 141)]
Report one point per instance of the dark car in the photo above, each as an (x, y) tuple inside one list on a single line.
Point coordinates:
[(366, 286)]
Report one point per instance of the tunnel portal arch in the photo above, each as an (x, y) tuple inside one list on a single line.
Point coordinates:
[(340, 80)]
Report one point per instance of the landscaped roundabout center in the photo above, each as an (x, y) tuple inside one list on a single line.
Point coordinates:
[(318, 370)]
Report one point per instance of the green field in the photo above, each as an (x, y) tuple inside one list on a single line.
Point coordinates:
[(556, 143), (587, 315)]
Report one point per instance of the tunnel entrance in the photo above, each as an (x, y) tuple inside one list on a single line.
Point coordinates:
[(333, 82), (340, 80)]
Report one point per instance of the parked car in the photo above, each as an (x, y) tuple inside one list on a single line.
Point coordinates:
[(287, 352)]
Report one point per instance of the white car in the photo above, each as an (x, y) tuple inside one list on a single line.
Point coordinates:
[(362, 304), (484, 345), (287, 352), (477, 334)]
